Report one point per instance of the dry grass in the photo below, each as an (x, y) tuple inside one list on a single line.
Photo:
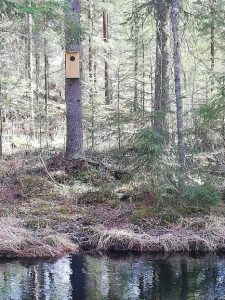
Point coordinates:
[(125, 240), (210, 228), (17, 241), (190, 235)]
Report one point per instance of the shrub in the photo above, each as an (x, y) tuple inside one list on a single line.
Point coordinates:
[(205, 195), (149, 145)]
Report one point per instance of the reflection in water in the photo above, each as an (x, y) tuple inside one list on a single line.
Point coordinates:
[(102, 278)]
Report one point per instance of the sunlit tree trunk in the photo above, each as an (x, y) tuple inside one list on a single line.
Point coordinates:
[(74, 141), (177, 77)]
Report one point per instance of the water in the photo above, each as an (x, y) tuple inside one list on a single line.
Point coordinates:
[(100, 278)]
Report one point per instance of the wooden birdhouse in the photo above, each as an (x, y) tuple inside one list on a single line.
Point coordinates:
[(72, 64)]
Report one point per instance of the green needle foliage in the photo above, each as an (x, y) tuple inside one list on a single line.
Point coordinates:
[(149, 145)]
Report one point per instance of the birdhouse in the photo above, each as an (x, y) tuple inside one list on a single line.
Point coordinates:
[(72, 64)]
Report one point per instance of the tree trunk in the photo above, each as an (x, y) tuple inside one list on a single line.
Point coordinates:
[(151, 75), (74, 142), (161, 71), (212, 42), (1, 124), (37, 91), (177, 77), (106, 38), (37, 61), (118, 109), (30, 74), (143, 72), (46, 66), (90, 69), (135, 41)]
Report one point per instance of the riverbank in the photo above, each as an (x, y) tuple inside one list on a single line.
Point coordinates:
[(51, 207), (191, 235)]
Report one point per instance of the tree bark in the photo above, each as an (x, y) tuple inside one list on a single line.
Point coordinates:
[(212, 42), (105, 19), (1, 124), (37, 90), (37, 61), (46, 66), (74, 141), (90, 69), (161, 71), (177, 77), (136, 78), (136, 50), (30, 73), (143, 72), (118, 109)]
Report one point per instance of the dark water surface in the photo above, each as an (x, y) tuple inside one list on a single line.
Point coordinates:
[(100, 278)]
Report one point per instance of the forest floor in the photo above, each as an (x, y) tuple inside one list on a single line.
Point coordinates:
[(52, 206)]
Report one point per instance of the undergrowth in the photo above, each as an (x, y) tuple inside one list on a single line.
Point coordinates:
[(75, 195)]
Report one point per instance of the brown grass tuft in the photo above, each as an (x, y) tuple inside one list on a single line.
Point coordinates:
[(190, 235), (16, 241)]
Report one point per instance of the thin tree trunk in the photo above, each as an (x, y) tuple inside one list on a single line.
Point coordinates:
[(46, 66), (94, 97), (30, 73), (13, 131), (177, 77), (161, 71), (37, 60), (152, 91), (135, 41), (37, 65), (143, 72), (135, 78), (1, 124), (74, 141), (118, 109), (105, 19), (212, 43), (90, 68)]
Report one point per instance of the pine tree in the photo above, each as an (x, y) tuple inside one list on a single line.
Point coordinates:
[(74, 141)]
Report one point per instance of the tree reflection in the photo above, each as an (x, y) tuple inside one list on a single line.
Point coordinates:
[(102, 278), (178, 278), (78, 277)]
